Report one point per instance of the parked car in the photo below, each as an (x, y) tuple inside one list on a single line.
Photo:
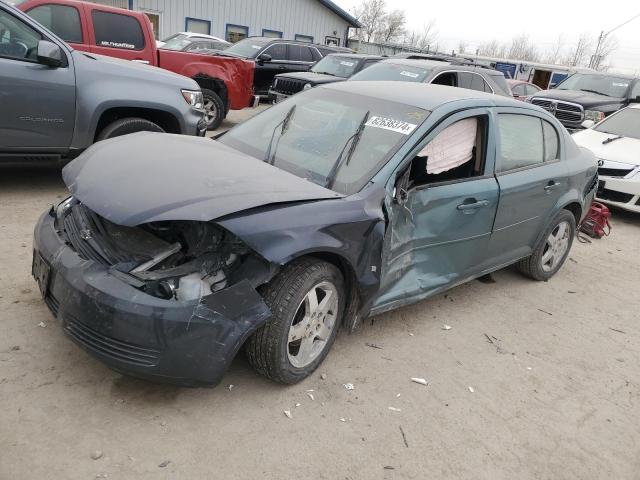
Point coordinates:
[(616, 143), (588, 96), (521, 89), (57, 101), (344, 201), (193, 42), (273, 56), (226, 83), (335, 67), (437, 72)]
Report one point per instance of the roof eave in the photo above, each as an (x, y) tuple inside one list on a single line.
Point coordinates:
[(351, 20)]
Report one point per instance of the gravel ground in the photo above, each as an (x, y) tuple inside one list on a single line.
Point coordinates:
[(533, 381)]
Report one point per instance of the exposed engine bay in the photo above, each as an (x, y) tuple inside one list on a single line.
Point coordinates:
[(172, 260)]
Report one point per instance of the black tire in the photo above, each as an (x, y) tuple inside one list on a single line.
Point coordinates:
[(533, 266), (214, 107), (268, 350), (125, 126)]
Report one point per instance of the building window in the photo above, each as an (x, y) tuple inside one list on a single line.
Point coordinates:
[(333, 41), (235, 33), (271, 33), (117, 31), (154, 18), (62, 20), (197, 25), (303, 38)]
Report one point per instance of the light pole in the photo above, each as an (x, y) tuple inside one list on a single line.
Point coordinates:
[(595, 58)]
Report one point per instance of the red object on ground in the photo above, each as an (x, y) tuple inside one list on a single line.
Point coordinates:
[(596, 223)]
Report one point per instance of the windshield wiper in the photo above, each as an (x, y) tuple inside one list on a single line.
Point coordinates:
[(593, 91), (612, 139), (354, 139), (325, 73), (268, 157)]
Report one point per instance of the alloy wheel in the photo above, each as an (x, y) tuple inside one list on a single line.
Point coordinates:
[(556, 246)]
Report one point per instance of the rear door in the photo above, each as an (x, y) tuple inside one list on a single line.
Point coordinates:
[(532, 177), (118, 35), (37, 110), (300, 58)]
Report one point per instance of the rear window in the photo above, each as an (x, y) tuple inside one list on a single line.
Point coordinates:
[(62, 20), (117, 31), (393, 72)]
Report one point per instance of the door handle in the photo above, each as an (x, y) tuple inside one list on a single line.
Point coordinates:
[(139, 60), (551, 185), (472, 205)]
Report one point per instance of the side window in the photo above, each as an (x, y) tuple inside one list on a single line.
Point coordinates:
[(519, 89), (277, 51), (551, 143), (458, 152), (521, 141), (532, 90), (465, 79), (117, 31), (447, 78), (17, 40), (635, 91), (299, 53), (62, 20), (478, 83)]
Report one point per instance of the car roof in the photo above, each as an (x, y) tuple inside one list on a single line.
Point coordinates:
[(300, 42), (202, 35), (354, 55), (422, 95)]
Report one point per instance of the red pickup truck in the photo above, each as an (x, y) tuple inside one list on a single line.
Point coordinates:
[(226, 83)]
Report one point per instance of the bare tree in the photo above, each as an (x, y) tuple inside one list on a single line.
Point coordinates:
[(554, 54), (579, 55), (607, 47), (462, 46), (424, 38), (522, 49), (371, 14), (491, 49), (392, 26)]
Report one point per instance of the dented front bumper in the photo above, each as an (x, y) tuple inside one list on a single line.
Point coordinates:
[(187, 343)]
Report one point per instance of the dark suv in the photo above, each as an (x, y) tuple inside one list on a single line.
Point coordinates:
[(336, 67), (437, 72), (588, 97), (274, 56)]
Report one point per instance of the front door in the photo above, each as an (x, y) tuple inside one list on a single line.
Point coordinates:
[(532, 177), (439, 230), (37, 102), (266, 71)]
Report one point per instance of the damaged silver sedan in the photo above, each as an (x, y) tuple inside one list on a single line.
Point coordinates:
[(342, 202)]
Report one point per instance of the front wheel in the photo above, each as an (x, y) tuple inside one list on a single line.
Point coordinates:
[(214, 109), (553, 249), (306, 300), (125, 126)]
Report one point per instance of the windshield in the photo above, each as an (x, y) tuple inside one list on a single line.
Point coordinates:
[(393, 72), (601, 84), (176, 42), (625, 123), (338, 66), (247, 48), (312, 134)]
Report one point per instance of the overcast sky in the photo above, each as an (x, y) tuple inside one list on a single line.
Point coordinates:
[(476, 22)]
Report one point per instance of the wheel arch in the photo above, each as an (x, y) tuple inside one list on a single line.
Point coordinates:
[(216, 85), (166, 120), (576, 209)]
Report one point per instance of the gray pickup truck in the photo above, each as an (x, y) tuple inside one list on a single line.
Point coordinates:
[(55, 101)]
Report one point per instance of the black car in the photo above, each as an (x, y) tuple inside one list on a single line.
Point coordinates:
[(335, 67), (274, 56), (437, 72), (588, 97)]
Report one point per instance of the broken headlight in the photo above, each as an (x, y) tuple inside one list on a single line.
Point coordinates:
[(194, 98)]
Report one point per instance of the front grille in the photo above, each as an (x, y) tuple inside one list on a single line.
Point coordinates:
[(288, 86), (116, 349), (613, 196), (614, 172), (565, 112)]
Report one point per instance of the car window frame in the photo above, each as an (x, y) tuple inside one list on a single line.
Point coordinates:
[(31, 27), (434, 130), (531, 113), (270, 45), (300, 62)]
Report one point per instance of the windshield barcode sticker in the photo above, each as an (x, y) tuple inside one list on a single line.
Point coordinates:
[(409, 74), (347, 64), (391, 124)]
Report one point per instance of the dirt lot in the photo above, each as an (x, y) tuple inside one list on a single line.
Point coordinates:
[(553, 367)]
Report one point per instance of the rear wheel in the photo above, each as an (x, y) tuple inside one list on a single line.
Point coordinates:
[(214, 109), (553, 249), (306, 300), (125, 126)]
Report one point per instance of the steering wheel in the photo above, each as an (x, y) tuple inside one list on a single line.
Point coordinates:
[(15, 48)]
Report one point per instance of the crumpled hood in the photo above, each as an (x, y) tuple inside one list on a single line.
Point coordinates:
[(586, 99), (624, 150), (147, 177)]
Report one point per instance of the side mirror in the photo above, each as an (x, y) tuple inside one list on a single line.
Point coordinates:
[(49, 54), (588, 124), (264, 58)]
